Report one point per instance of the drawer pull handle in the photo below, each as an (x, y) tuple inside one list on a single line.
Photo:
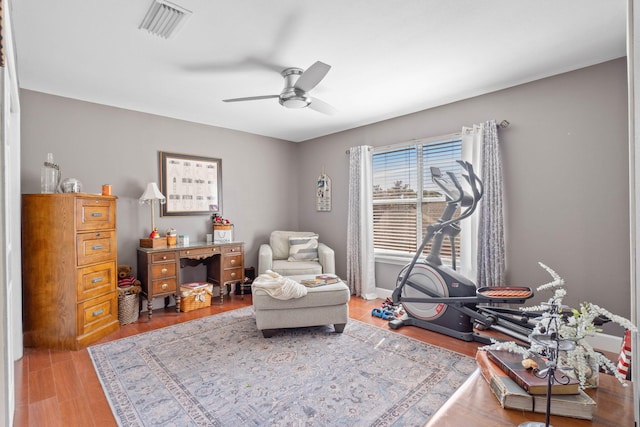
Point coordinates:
[(165, 285), (96, 247), (233, 274), (164, 270), (97, 280), (233, 262), (164, 257), (97, 312), (188, 252), (98, 214)]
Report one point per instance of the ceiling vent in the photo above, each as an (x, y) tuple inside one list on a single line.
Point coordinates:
[(164, 19)]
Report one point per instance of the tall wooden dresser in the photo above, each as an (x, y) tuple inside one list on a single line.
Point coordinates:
[(69, 271)]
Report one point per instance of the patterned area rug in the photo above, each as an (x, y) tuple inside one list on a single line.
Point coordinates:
[(220, 371)]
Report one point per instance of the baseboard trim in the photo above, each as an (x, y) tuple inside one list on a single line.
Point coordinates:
[(606, 342)]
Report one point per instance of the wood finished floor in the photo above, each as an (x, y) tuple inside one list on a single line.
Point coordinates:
[(61, 388)]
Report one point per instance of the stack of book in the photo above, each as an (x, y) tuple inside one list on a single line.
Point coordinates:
[(518, 388), (320, 280)]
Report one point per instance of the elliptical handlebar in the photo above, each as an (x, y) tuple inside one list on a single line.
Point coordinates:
[(473, 180), (474, 183), (458, 195)]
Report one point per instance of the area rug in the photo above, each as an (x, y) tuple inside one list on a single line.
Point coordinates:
[(220, 371)]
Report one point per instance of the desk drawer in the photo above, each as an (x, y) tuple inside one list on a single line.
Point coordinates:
[(232, 275), (164, 286), (231, 261), (161, 271), (96, 280), (96, 247), (231, 249), (95, 214), (97, 312), (199, 253), (162, 257)]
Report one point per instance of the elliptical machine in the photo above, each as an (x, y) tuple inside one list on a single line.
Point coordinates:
[(438, 298)]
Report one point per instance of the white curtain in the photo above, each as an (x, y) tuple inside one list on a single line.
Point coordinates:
[(360, 258), (486, 247)]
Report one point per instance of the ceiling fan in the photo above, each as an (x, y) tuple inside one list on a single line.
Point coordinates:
[(297, 84)]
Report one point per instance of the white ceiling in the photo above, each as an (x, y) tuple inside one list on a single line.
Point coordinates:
[(388, 58)]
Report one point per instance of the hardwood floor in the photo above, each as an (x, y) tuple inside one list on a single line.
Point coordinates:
[(61, 388)]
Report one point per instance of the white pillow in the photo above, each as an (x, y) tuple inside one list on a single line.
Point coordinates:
[(303, 248)]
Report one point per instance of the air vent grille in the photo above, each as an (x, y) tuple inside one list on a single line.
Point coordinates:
[(164, 18)]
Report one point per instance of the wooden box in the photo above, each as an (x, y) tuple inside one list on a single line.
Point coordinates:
[(192, 299), (160, 242)]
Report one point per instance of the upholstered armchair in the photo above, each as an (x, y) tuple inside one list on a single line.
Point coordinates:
[(293, 253)]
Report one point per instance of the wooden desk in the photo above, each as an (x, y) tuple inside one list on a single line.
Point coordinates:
[(473, 404), (159, 270)]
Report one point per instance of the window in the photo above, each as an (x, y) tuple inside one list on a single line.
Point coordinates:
[(402, 183)]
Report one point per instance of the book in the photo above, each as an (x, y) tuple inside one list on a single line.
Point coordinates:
[(320, 280), (511, 396), (511, 364)]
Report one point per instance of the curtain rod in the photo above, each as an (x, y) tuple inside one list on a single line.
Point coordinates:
[(503, 124)]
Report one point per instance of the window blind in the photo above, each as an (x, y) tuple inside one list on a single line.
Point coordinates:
[(405, 199)]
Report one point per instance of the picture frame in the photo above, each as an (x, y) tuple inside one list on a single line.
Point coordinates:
[(191, 184)]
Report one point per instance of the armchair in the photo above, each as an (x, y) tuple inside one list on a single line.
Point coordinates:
[(292, 253)]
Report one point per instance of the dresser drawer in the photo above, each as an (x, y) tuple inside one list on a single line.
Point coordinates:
[(232, 275), (96, 280), (97, 312), (95, 214), (164, 286), (230, 261), (161, 271), (199, 253), (163, 257), (96, 247)]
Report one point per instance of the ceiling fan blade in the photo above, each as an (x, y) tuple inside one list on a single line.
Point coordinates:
[(321, 106), (251, 98), (312, 76)]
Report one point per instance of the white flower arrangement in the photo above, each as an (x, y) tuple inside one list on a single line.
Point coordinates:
[(576, 328)]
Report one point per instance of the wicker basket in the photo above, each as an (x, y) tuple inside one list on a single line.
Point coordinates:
[(128, 308), (192, 299)]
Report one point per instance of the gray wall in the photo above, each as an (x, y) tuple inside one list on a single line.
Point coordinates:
[(99, 145), (565, 157)]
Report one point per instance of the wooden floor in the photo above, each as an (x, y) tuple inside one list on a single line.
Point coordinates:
[(61, 388)]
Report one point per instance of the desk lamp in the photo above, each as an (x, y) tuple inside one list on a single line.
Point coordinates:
[(150, 195)]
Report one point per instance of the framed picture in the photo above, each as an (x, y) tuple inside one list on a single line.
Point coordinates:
[(191, 184)]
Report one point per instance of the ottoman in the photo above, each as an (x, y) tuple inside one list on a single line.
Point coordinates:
[(323, 305)]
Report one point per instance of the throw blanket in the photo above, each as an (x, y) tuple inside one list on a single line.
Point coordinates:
[(278, 286)]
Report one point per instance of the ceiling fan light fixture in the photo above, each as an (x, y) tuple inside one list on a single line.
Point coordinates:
[(164, 18), (297, 101)]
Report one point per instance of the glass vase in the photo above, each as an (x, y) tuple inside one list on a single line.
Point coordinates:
[(591, 370)]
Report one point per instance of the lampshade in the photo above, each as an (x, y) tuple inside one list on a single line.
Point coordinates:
[(152, 193)]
